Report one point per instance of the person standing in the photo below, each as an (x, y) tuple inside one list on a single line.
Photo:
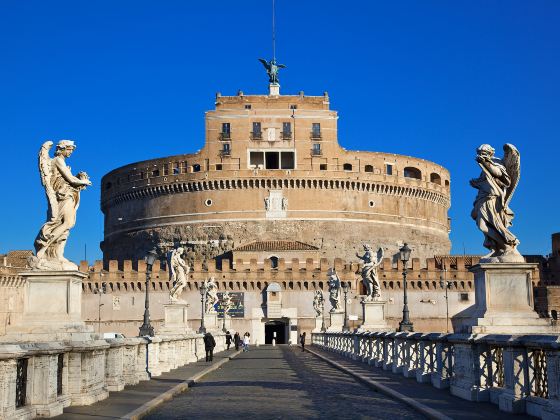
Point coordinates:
[(246, 342), (302, 341), (209, 344), (228, 339), (237, 340)]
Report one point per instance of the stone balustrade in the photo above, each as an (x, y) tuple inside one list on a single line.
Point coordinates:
[(40, 379), (520, 374)]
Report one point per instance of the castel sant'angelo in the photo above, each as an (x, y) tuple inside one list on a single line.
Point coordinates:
[(272, 174)]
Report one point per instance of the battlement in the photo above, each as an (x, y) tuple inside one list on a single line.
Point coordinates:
[(295, 274)]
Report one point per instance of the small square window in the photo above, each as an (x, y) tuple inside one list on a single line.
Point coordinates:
[(247, 106), (218, 166), (463, 297), (293, 106), (323, 166)]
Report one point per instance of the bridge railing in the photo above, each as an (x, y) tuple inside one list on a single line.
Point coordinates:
[(520, 374), (40, 379)]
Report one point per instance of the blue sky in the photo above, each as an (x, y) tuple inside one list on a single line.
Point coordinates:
[(130, 80)]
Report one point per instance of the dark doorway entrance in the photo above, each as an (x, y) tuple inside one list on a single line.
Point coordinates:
[(277, 327)]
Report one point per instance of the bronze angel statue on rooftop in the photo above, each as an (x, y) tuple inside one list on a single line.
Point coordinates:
[(272, 68), (63, 197), (496, 185)]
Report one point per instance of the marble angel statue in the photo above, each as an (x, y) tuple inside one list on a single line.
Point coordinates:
[(179, 271), (496, 185), (334, 291), (369, 271), (211, 294), (318, 303), (63, 197)]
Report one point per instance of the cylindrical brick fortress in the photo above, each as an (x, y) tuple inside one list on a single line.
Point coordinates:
[(272, 169)]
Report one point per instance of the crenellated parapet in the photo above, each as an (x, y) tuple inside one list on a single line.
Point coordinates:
[(295, 274)]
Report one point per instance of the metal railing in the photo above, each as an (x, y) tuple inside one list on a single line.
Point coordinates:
[(256, 135), (518, 373), (225, 136)]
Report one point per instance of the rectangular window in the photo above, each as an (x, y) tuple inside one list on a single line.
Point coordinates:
[(166, 169), (272, 160), (388, 169), (248, 106), (256, 127), (155, 172), (218, 166), (256, 159), (287, 160), (323, 166), (293, 106), (226, 149), (286, 130), (226, 131), (316, 130), (316, 151), (176, 168)]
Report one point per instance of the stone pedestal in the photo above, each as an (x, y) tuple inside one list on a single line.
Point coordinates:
[(175, 319), (337, 321), (373, 315), (274, 89), (211, 321), (318, 324), (503, 302), (52, 309)]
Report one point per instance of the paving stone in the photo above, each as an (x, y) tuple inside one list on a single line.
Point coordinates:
[(281, 382)]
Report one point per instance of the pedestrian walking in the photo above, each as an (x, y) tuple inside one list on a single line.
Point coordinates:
[(236, 340), (302, 341), (209, 344), (246, 341), (228, 339)]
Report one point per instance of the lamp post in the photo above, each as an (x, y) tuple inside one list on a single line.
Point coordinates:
[(147, 329), (101, 291), (405, 325), (202, 329), (345, 289), (323, 328), (443, 282)]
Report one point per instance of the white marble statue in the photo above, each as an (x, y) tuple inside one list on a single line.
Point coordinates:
[(369, 272), (318, 303), (179, 271), (211, 295), (227, 302), (496, 185), (334, 291), (63, 197)]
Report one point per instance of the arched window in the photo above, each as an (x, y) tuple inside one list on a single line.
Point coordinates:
[(411, 172), (435, 178), (368, 168), (274, 261), (347, 166)]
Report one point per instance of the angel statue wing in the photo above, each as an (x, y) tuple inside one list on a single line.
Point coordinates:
[(379, 256), (45, 171), (512, 162), (265, 63)]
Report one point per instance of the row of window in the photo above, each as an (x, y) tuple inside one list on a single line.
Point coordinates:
[(256, 134)]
